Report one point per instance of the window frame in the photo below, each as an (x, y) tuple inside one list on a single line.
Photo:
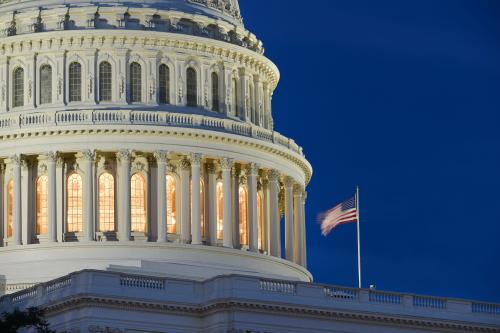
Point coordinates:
[(73, 86), (41, 85), (101, 82), (15, 102)]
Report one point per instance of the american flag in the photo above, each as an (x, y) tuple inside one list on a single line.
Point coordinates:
[(346, 212)]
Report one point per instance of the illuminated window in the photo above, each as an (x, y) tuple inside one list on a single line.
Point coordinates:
[(215, 92), (18, 87), (45, 84), (138, 214), (243, 209), (75, 203), (171, 206), (220, 211), (106, 202), (202, 208), (10, 207), (75, 82), (41, 205), (105, 81), (135, 83), (234, 102), (164, 84), (192, 87), (260, 221)]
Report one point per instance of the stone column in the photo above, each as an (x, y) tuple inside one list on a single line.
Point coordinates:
[(212, 203), (185, 167), (16, 213), (275, 237), (52, 197), (265, 215), (236, 173), (124, 195), (27, 227), (195, 199), (226, 164), (303, 246), (253, 229), (297, 225), (289, 218), (88, 195), (60, 180), (161, 161), (243, 94)]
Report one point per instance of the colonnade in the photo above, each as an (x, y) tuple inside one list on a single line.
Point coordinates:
[(214, 201)]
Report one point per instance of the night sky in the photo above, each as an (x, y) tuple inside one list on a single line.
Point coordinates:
[(403, 99)]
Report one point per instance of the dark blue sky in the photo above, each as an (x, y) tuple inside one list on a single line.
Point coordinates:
[(402, 98)]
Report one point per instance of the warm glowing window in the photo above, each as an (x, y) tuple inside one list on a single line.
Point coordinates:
[(75, 203), (202, 207), (41, 205), (45, 84), (260, 221), (105, 81), (243, 209), (215, 92), (10, 207), (171, 206), (138, 211), (135, 83), (220, 211), (234, 98), (164, 84), (106, 202), (192, 87), (75, 82), (18, 87)]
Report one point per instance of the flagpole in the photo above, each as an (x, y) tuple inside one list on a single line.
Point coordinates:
[(359, 241)]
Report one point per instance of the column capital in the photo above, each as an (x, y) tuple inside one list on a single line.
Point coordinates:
[(16, 159), (59, 162), (161, 156), (298, 190), (88, 155), (52, 157), (226, 163), (253, 169), (273, 175), (196, 159), (184, 164), (124, 155), (289, 182)]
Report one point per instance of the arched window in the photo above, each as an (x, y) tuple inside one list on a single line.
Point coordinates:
[(192, 87), (75, 203), (138, 210), (18, 87), (260, 221), (164, 84), (215, 92), (202, 208), (45, 84), (106, 202), (41, 205), (243, 209), (220, 211), (10, 208), (75, 82), (234, 99), (135, 83), (105, 82), (171, 205)]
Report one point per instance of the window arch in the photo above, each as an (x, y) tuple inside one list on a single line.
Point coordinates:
[(18, 87), (138, 215), (75, 82), (10, 208), (220, 211), (164, 84), (135, 83), (260, 221), (234, 98), (171, 205), (192, 87), (243, 218), (45, 84), (42, 205), (74, 212), (105, 82), (106, 202), (215, 92)]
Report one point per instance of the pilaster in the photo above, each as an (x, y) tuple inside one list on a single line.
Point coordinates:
[(124, 157), (161, 162), (88, 158)]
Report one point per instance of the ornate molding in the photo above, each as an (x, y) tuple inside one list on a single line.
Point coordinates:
[(184, 164), (273, 175), (161, 156), (124, 156), (252, 169), (226, 163), (88, 155), (196, 159), (52, 157)]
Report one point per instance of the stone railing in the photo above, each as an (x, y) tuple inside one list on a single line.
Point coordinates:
[(16, 121)]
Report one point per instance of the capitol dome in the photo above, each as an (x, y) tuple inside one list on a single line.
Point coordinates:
[(137, 136)]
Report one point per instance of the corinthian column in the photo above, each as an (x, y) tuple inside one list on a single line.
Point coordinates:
[(226, 164), (252, 207), (123, 158), (185, 167), (275, 238), (289, 218), (195, 199), (88, 194), (297, 225), (303, 247), (52, 197), (16, 213), (161, 161)]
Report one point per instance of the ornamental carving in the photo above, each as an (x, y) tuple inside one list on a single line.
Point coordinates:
[(123, 156), (161, 156), (184, 164), (226, 164), (196, 159), (273, 175)]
